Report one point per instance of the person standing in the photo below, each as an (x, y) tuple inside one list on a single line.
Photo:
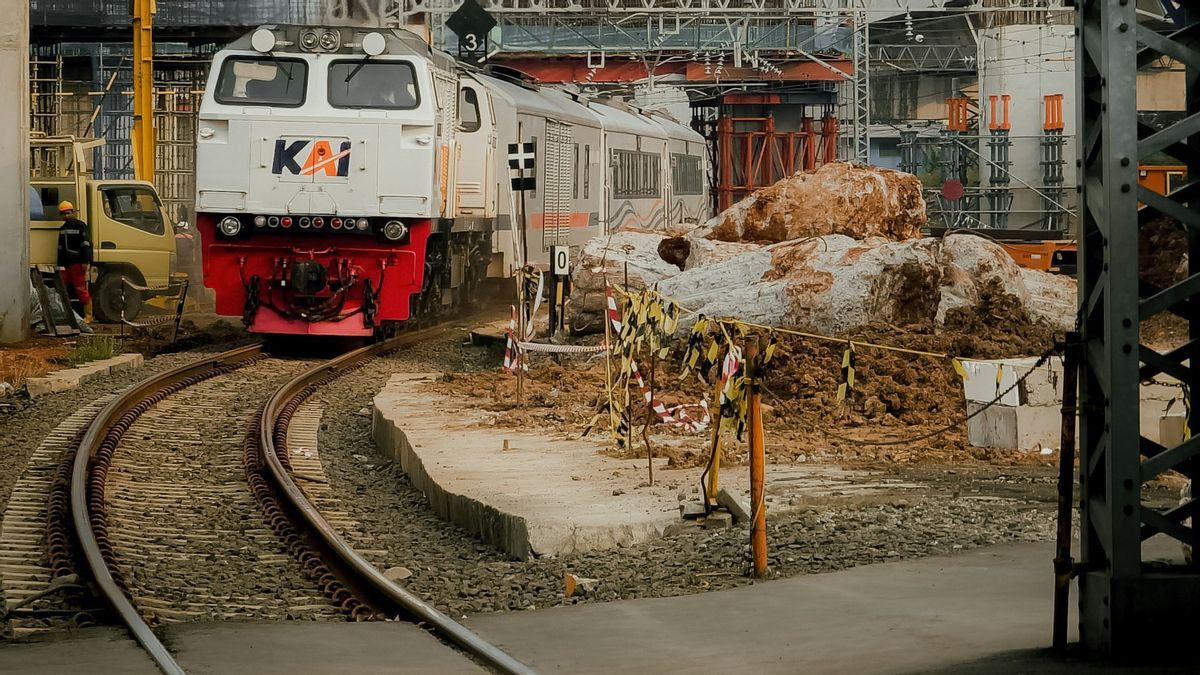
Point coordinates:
[(75, 256)]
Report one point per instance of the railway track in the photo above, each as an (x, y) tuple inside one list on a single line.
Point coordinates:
[(126, 486)]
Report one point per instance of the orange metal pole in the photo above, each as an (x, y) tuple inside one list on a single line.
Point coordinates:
[(758, 510), (768, 161), (829, 134), (810, 144), (725, 151)]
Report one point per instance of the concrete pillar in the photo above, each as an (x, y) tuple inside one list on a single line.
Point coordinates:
[(14, 172)]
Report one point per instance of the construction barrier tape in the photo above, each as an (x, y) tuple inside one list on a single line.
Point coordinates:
[(846, 388)]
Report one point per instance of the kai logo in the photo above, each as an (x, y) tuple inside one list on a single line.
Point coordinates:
[(311, 157)]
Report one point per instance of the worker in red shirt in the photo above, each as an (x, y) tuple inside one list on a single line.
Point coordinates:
[(75, 256)]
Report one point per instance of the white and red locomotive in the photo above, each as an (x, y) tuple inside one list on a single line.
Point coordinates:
[(348, 178)]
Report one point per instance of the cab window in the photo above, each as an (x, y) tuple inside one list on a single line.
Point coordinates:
[(248, 80), (468, 109), (134, 206), (391, 85)]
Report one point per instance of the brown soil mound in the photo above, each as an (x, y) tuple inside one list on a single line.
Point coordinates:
[(1162, 243), (897, 396), (999, 327)]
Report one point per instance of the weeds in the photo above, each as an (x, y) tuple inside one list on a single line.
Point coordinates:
[(92, 348)]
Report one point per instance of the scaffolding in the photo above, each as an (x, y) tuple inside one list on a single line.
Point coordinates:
[(999, 143), (1052, 163), (45, 91)]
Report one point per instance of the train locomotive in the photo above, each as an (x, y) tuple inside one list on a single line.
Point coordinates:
[(349, 179)]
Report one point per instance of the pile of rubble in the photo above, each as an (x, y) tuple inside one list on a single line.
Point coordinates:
[(830, 251)]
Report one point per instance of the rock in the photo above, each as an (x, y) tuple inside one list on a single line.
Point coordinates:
[(397, 573), (608, 258), (675, 250), (718, 520), (691, 510), (739, 509), (576, 586), (837, 198)]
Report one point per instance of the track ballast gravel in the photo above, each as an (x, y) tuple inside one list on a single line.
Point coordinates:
[(460, 575), (190, 538)]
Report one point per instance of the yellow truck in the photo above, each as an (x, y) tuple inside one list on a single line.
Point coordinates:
[(132, 237)]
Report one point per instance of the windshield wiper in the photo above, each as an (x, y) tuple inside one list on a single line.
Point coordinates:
[(358, 67), (279, 64)]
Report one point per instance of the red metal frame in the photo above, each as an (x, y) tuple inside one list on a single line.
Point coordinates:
[(760, 156), (397, 271)]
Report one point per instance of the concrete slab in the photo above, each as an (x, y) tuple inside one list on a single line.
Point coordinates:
[(88, 650), (988, 609), (72, 378), (1028, 417), (297, 647), (555, 495)]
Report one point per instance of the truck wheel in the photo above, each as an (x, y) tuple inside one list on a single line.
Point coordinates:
[(106, 300)]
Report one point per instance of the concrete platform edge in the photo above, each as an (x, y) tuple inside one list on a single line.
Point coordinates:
[(505, 531)]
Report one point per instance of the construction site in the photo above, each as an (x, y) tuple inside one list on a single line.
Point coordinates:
[(599, 336)]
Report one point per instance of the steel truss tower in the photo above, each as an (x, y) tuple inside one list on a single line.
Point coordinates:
[(1128, 609)]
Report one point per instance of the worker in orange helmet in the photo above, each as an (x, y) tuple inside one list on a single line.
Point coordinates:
[(75, 256)]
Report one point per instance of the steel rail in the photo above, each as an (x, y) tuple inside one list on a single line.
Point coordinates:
[(379, 592), (81, 513)]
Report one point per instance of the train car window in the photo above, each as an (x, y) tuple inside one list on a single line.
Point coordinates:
[(134, 206), (587, 169), (468, 110), (686, 177), (575, 177), (249, 80), (390, 85), (635, 174)]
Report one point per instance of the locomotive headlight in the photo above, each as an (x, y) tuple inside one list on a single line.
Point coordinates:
[(230, 226), (260, 221), (330, 40), (363, 224), (373, 44), (318, 222), (273, 221), (263, 40), (394, 230), (309, 40)]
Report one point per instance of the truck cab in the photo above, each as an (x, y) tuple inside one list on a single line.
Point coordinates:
[(132, 237)]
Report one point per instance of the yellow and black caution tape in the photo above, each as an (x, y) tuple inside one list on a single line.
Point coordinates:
[(846, 388)]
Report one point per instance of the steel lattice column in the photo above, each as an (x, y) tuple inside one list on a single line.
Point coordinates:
[(1127, 609)]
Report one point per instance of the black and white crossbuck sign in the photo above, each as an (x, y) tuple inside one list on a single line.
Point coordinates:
[(522, 159)]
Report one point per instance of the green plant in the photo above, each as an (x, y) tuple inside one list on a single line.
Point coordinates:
[(92, 348)]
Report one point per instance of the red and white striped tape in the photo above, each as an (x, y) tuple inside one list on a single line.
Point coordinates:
[(614, 315), (676, 416), (512, 350)]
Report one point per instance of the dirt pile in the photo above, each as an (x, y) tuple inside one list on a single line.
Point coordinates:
[(1162, 251), (839, 198), (897, 395)]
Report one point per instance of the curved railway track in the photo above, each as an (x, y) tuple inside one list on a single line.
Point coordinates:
[(351, 584)]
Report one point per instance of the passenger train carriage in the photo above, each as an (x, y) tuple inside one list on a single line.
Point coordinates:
[(350, 178)]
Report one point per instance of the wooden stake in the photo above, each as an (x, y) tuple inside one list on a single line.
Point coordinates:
[(650, 416), (714, 460), (758, 511), (608, 375)]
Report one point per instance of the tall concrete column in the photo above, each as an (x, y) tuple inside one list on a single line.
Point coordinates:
[(14, 172)]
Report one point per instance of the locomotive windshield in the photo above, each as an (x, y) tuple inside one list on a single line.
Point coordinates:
[(249, 80), (373, 84)]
